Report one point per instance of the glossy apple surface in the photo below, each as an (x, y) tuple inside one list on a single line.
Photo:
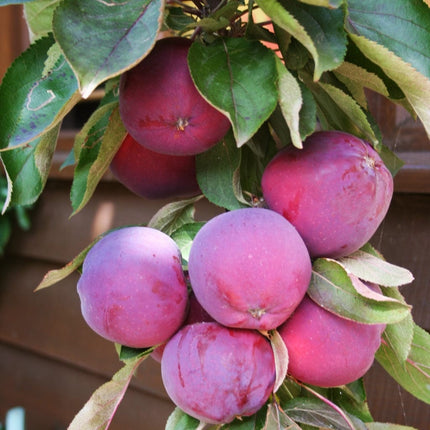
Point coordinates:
[(336, 191), (161, 107), (153, 175)]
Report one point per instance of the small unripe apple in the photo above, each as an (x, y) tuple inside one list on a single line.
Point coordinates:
[(153, 175), (161, 107), (249, 268), (326, 350), (216, 374), (336, 191), (132, 288)]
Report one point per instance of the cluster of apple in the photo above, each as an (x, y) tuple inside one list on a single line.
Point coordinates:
[(248, 269)]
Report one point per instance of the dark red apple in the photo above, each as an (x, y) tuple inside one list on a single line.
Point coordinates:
[(161, 107), (336, 191), (153, 175)]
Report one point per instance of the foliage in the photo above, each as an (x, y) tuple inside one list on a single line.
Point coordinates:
[(279, 69)]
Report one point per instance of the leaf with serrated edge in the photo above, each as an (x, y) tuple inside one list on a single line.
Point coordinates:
[(84, 185), (38, 16), (320, 30), (290, 101), (100, 409), (414, 373), (238, 77), (118, 35), (32, 102), (353, 110), (373, 269), (27, 169), (415, 86), (399, 335), (332, 288), (174, 215)]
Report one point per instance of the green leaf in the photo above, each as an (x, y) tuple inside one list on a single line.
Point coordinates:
[(308, 112), (374, 269), (277, 419), (399, 335), (179, 420), (414, 373), (320, 30), (27, 168), (387, 426), (31, 102), (100, 409), (176, 19), (358, 120), (102, 39), (218, 174), (280, 353), (414, 85), (98, 150), (5, 232), (290, 102), (127, 353), (238, 77), (38, 16), (402, 27), (352, 399), (332, 288), (316, 413), (184, 237), (174, 215)]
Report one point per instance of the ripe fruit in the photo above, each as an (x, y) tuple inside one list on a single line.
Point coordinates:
[(326, 350), (132, 288), (161, 107), (215, 373), (153, 175), (249, 268), (335, 191)]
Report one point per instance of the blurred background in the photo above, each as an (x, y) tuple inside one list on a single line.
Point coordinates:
[(51, 362)]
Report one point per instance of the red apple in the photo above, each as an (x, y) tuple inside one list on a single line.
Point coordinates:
[(161, 107), (336, 191), (153, 175)]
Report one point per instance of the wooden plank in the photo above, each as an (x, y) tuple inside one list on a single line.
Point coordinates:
[(52, 393), (49, 323)]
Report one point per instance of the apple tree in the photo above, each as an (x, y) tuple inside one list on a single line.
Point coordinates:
[(274, 310)]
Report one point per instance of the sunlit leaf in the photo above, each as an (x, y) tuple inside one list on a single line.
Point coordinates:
[(117, 34), (174, 215), (325, 3), (414, 373), (179, 420), (387, 426), (184, 237), (332, 288), (98, 412), (238, 77), (373, 269), (38, 16), (96, 155), (320, 30)]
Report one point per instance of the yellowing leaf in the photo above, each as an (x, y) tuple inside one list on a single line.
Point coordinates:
[(98, 412), (415, 86)]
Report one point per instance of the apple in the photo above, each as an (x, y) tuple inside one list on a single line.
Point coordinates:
[(216, 374), (161, 107), (132, 288), (153, 175), (336, 191), (249, 268), (326, 350)]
